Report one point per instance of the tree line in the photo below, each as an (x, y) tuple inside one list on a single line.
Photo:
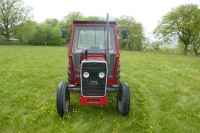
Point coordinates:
[(181, 23)]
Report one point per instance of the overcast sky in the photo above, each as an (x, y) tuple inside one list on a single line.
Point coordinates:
[(147, 12)]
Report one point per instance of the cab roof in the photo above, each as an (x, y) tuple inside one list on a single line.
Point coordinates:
[(94, 22)]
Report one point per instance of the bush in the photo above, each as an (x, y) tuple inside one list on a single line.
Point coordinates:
[(46, 35)]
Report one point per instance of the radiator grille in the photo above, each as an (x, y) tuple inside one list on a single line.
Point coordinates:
[(93, 85)]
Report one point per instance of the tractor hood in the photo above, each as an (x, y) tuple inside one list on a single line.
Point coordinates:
[(95, 57)]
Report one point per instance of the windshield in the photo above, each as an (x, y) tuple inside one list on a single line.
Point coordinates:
[(94, 39)]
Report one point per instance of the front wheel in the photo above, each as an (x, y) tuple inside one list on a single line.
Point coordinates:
[(123, 99), (62, 99)]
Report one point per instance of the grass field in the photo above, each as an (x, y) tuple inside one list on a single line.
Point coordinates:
[(165, 94)]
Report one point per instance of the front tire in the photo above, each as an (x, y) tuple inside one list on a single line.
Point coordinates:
[(62, 99), (123, 99)]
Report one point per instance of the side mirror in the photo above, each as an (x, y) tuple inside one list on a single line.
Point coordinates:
[(63, 33), (125, 34)]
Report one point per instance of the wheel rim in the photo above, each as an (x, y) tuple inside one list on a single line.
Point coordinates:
[(65, 102), (66, 105), (119, 101), (120, 106)]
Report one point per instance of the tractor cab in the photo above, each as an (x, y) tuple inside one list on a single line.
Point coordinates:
[(94, 40), (94, 67)]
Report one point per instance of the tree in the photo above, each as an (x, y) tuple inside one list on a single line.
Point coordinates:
[(68, 20), (93, 18), (72, 16), (39, 35), (13, 13), (156, 45), (135, 33), (26, 32), (196, 45), (183, 23), (51, 22), (47, 33)]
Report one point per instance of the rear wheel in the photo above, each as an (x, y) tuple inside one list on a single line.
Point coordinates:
[(63, 99), (123, 99), (118, 73)]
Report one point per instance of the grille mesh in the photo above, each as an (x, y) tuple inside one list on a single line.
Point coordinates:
[(93, 85)]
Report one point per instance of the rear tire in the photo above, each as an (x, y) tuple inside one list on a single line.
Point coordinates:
[(62, 99), (123, 99), (118, 73), (69, 74)]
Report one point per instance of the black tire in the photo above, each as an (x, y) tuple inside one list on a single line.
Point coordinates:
[(69, 74), (62, 99), (123, 99), (118, 74)]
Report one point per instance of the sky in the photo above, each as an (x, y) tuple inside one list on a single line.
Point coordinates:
[(147, 12)]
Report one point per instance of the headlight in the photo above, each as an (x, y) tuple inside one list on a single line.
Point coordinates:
[(101, 75), (86, 75)]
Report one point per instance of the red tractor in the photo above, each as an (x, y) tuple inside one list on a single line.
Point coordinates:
[(94, 67)]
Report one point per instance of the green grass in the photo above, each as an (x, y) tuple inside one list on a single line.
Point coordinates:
[(165, 93)]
